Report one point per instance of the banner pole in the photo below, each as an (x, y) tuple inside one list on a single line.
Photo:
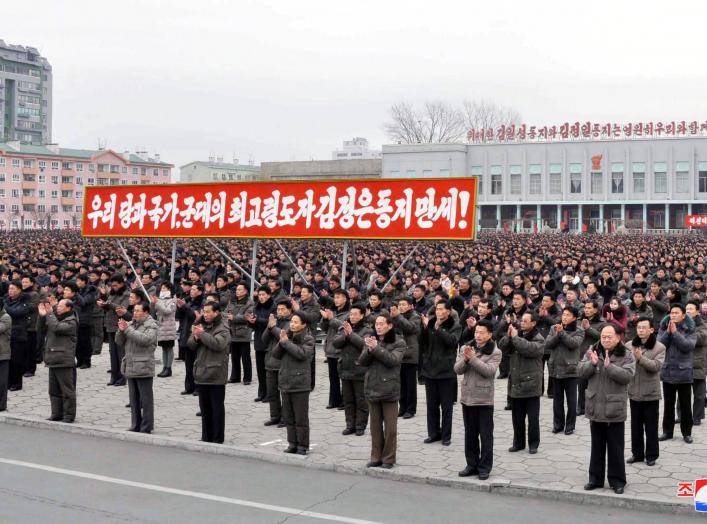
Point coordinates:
[(227, 257), (174, 260), (343, 265), (301, 275), (252, 267), (127, 259), (354, 275), (401, 265)]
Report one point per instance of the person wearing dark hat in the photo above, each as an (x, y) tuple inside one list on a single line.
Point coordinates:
[(564, 341), (332, 321), (608, 367)]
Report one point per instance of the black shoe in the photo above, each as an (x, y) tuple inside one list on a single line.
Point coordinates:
[(387, 466), (696, 422), (549, 395), (580, 413), (127, 405), (400, 413), (374, 464), (179, 359), (271, 422), (447, 442), (348, 431), (167, 372), (109, 371), (161, 373), (619, 490), (196, 394), (301, 451), (533, 451), (54, 419), (133, 430), (198, 413), (507, 407), (557, 430), (688, 439), (281, 424), (650, 462), (330, 406), (665, 436), (246, 382), (633, 459), (185, 392), (360, 432), (589, 486), (233, 381), (67, 420), (120, 382), (340, 408), (291, 449), (468, 472), (15, 388), (84, 366), (408, 415), (111, 383), (569, 431), (430, 440), (514, 449), (258, 399), (29, 374), (483, 476)]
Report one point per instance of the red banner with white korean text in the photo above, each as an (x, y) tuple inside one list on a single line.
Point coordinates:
[(417, 209), (696, 220)]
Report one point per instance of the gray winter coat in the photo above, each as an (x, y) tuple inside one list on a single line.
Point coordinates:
[(526, 351), (350, 348), (140, 341), (564, 351), (165, 309), (645, 384), (331, 328), (271, 338), (5, 330), (700, 354), (295, 356), (382, 382), (212, 350), (241, 330), (115, 301), (679, 351), (607, 388), (409, 325), (62, 336), (477, 384)]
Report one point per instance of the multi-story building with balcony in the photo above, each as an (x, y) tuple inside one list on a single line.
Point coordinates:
[(42, 187)]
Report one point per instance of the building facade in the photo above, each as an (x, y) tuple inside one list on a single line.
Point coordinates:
[(42, 187), (647, 184), (321, 169), (25, 95), (355, 149), (215, 170)]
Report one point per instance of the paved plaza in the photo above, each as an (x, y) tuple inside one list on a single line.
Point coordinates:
[(559, 467)]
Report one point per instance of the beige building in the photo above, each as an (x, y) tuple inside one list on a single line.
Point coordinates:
[(321, 169)]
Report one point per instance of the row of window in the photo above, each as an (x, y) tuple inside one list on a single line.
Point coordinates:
[(20, 70), (229, 176), (79, 166), (41, 208), (40, 224), (41, 193)]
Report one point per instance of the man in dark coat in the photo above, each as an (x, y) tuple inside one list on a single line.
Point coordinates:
[(17, 305), (407, 324), (264, 307)]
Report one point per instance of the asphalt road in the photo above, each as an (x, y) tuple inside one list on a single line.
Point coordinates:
[(57, 477)]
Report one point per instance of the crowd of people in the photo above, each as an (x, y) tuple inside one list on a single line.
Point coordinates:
[(618, 321)]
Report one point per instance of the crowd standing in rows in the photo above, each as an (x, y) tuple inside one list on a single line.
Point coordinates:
[(618, 321)]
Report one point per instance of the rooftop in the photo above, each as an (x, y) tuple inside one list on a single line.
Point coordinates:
[(55, 151), (222, 165)]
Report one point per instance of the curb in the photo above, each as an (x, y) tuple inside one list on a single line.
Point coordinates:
[(496, 486)]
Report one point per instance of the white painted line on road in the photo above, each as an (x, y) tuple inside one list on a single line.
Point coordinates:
[(186, 493), (271, 442)]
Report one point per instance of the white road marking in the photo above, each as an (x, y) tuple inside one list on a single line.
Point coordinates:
[(194, 494), (271, 442)]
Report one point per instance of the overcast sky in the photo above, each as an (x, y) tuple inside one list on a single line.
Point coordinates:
[(289, 80)]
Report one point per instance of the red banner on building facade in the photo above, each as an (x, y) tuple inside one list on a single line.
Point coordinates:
[(417, 209), (696, 220)]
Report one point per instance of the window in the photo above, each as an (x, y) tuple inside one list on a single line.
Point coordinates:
[(143, 171), (660, 177), (28, 222), (41, 208), (55, 165), (66, 223), (42, 179), (2, 208), (114, 168), (78, 194), (134, 170), (575, 178), (443, 172), (16, 177), (2, 161), (214, 176), (15, 193), (79, 209), (411, 173), (2, 177), (55, 179), (79, 181), (536, 179), (516, 183), (123, 182), (426, 173), (682, 180), (42, 164), (15, 207), (702, 177), (639, 177), (42, 193), (67, 209), (165, 172), (67, 180), (135, 182), (55, 209), (79, 167), (66, 165), (124, 170), (2, 193), (617, 178), (395, 174), (496, 180), (15, 162), (91, 181), (478, 171), (92, 168), (55, 194), (28, 163)]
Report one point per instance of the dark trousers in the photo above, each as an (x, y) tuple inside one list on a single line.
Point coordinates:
[(142, 405), (565, 388), (607, 450), (97, 336), (683, 393), (355, 405), (581, 393), (189, 358), (408, 388), (4, 375), (334, 383), (213, 412), (522, 408), (440, 394), (31, 352), (17, 361), (550, 385), (313, 367), (478, 437), (84, 346), (505, 366), (698, 405), (62, 393), (262, 376), (240, 352), (273, 394), (295, 414), (117, 352), (384, 431), (644, 419)]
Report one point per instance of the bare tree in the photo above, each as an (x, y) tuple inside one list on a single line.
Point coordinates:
[(436, 122), (487, 114)]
